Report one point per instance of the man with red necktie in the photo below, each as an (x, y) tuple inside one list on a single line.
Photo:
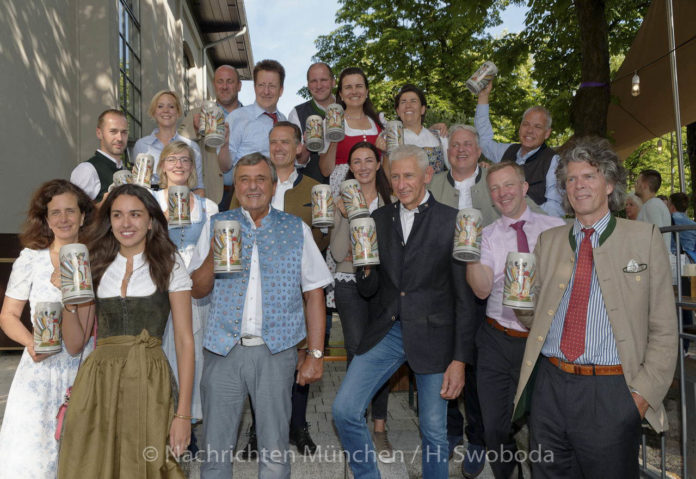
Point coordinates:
[(602, 344), (248, 127), (500, 342)]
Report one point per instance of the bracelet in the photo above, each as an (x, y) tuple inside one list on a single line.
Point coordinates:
[(181, 416)]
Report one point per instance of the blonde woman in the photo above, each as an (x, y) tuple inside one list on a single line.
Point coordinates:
[(165, 109), (175, 167)]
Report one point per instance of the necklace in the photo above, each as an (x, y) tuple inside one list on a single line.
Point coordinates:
[(362, 115)]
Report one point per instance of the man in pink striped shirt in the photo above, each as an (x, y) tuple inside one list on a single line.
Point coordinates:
[(501, 341)]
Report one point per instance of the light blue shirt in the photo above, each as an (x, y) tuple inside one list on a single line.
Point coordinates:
[(151, 145), (600, 345), (494, 151), (249, 129), (687, 239)]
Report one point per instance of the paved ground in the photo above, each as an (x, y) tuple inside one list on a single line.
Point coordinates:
[(328, 463)]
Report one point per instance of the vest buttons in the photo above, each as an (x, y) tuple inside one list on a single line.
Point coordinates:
[(550, 312), (236, 321), (540, 338), (529, 363), (393, 318), (561, 286), (403, 293)]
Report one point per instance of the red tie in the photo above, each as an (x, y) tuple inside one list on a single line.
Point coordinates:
[(574, 328), (522, 245), (272, 116)]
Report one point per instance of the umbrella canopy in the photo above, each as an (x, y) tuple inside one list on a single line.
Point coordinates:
[(633, 120)]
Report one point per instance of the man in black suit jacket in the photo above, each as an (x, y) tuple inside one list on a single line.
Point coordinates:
[(420, 312)]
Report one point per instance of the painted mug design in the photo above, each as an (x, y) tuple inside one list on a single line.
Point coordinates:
[(520, 274), (47, 327), (467, 235)]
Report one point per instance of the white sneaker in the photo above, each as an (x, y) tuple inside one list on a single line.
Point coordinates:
[(385, 452)]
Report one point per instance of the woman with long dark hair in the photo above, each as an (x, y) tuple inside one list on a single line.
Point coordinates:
[(362, 123), (365, 166), (122, 406), (58, 213)]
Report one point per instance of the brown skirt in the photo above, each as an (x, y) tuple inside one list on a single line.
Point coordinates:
[(120, 413)]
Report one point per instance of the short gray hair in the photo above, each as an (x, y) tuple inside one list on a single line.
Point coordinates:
[(598, 153), (460, 126), (539, 109), (254, 159), (635, 198), (404, 152)]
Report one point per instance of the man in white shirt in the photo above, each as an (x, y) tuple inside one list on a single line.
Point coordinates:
[(227, 85), (256, 321), (320, 83), (95, 175)]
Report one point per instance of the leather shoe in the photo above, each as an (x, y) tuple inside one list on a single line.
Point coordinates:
[(453, 442), (251, 450), (299, 437), (474, 460)]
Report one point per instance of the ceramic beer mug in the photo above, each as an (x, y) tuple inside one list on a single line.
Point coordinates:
[(520, 274), (75, 274), (142, 170), (353, 200), (467, 235), (179, 206), (314, 133), (322, 206), (363, 240), (47, 322), (335, 131), (227, 246)]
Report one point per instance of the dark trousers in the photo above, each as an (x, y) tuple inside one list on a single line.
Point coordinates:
[(585, 426), (353, 311), (472, 407), (498, 372)]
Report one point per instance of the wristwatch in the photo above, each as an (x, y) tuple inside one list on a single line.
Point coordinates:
[(315, 353)]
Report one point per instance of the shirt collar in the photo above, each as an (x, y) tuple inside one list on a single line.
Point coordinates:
[(115, 160), (260, 111), (526, 216), (599, 226), (291, 179), (403, 209), (248, 216)]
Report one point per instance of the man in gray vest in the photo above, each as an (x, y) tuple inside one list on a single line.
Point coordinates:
[(256, 321), (227, 85), (538, 160), (95, 175), (320, 83)]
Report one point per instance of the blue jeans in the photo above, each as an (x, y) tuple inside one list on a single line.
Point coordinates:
[(366, 373)]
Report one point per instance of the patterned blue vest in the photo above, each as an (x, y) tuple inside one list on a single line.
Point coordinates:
[(279, 241)]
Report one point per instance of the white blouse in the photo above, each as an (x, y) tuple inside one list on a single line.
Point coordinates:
[(140, 283)]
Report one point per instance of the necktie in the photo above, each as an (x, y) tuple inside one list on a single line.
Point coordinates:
[(272, 116), (522, 245), (574, 328)]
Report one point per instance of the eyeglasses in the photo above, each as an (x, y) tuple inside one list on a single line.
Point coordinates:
[(173, 160)]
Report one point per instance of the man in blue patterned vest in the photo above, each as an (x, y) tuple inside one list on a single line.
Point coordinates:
[(256, 320)]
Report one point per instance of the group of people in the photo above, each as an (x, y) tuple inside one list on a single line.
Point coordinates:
[(168, 342)]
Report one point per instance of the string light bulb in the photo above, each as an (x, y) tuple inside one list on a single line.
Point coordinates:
[(659, 145), (635, 84)]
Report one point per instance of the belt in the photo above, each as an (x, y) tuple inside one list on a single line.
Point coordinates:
[(229, 188), (251, 341), (510, 332), (586, 369)]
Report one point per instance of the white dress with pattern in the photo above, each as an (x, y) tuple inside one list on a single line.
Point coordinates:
[(28, 448)]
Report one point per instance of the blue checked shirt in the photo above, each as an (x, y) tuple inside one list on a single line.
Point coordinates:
[(600, 346)]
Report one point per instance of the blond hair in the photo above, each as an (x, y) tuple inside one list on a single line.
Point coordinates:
[(155, 99), (172, 148)]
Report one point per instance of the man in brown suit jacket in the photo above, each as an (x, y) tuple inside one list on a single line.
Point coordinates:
[(602, 345)]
